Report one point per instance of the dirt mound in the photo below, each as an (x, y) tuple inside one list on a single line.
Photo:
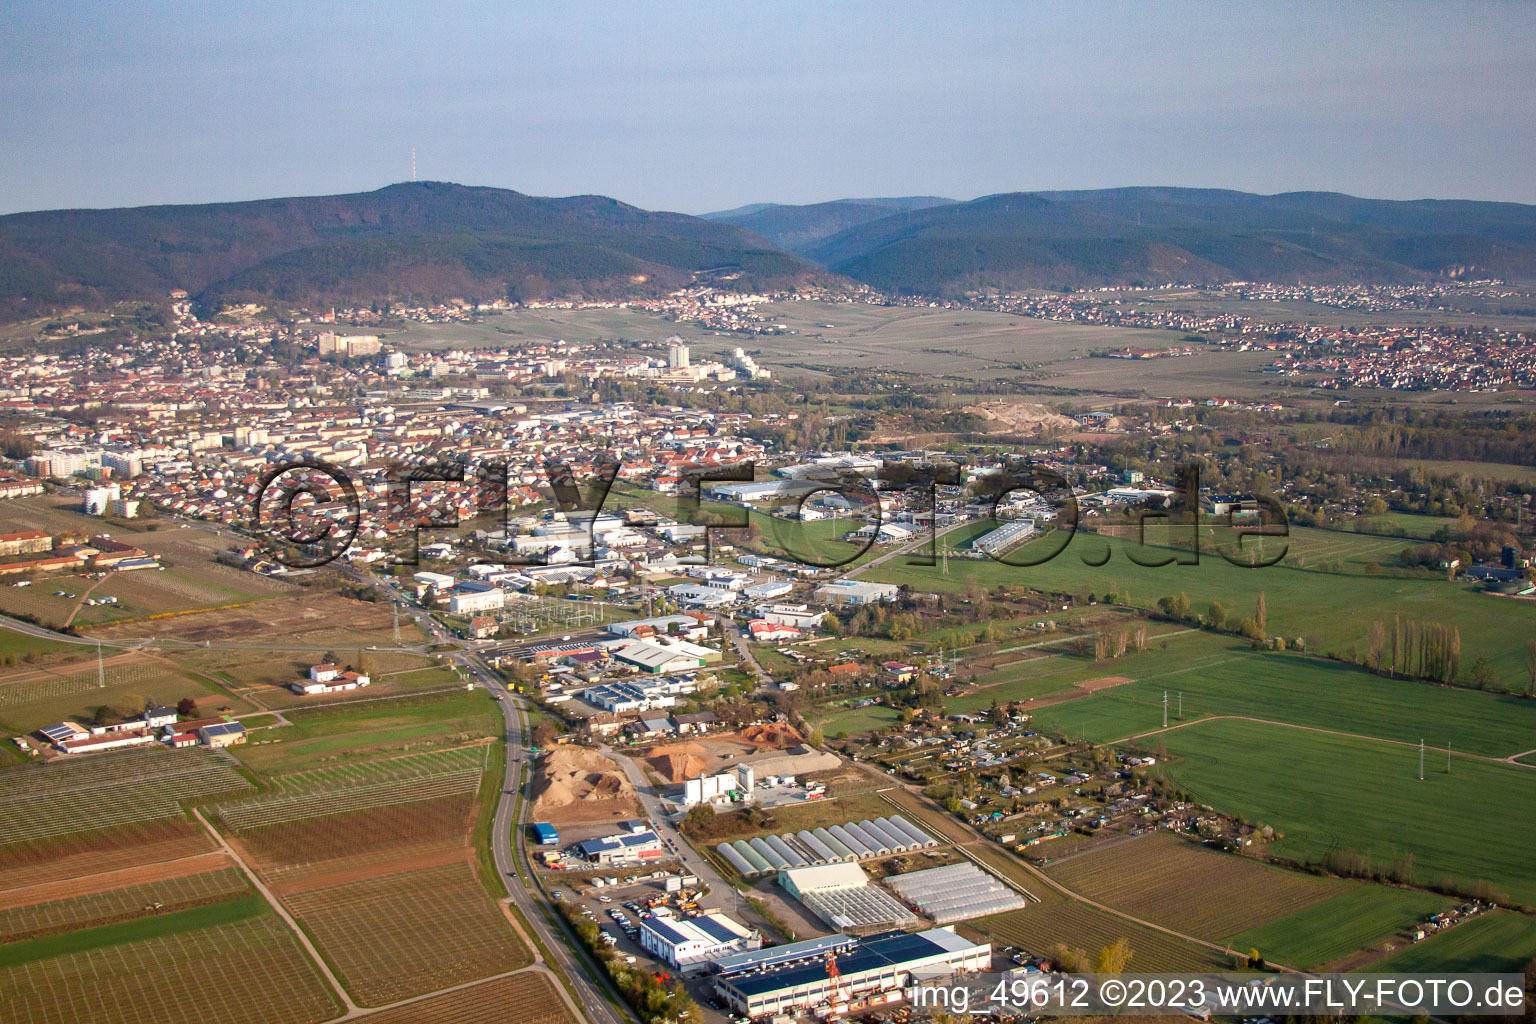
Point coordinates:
[(1023, 418), (772, 735), (676, 748), (679, 767), (573, 783)]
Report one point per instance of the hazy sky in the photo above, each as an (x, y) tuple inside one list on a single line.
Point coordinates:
[(697, 108)]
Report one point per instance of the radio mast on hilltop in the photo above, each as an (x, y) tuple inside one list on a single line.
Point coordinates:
[(413, 163)]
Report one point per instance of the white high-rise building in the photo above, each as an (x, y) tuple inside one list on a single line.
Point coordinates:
[(677, 357), (98, 499)]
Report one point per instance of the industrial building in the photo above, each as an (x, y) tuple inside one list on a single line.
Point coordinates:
[(737, 785), (956, 892), (629, 848), (856, 592), (1004, 537), (545, 834), (866, 970), (694, 942), (840, 894)]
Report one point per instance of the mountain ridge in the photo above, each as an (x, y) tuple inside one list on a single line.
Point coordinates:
[(1164, 234), (407, 241)]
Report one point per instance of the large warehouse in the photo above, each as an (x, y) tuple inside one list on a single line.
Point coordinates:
[(687, 942), (877, 964)]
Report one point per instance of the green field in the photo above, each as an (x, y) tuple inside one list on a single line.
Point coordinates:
[(1495, 942), (856, 720), (1228, 678), (210, 916), (1332, 792), (371, 729), (1332, 608), (20, 645), (1326, 931)]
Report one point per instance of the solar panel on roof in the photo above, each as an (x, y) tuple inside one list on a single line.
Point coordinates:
[(665, 930)]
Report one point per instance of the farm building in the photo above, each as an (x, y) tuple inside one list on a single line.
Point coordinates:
[(695, 941), (106, 741), (224, 734), (882, 963), (956, 892), (545, 835)]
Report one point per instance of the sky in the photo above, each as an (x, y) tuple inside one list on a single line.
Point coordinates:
[(701, 107)]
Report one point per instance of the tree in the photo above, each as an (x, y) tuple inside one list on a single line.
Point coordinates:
[(1484, 675), (1114, 957), (1376, 640), (1216, 618), (544, 733), (698, 816), (1530, 668), (1261, 616), (330, 658), (186, 707)]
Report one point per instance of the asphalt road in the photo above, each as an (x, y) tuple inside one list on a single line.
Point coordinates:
[(505, 831)]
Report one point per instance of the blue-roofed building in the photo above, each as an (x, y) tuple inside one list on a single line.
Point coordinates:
[(881, 963), (694, 942), (545, 835), (629, 848)]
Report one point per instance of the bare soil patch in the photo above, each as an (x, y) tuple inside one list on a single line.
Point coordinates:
[(575, 784), (1104, 683)]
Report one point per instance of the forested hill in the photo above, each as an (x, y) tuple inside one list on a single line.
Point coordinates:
[(800, 228), (413, 241), (1167, 235)]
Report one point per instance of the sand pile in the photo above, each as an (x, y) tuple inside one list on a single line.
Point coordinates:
[(772, 735), (679, 767), (1023, 418), (579, 782)]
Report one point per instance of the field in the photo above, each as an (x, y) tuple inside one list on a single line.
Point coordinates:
[(100, 850), (375, 860), (31, 920), (397, 935), (1223, 676), (371, 729), (1358, 918), (311, 619), (1331, 598), (966, 345), (46, 801), (21, 648), (1039, 929), (192, 578), (247, 971), (835, 721), (1495, 942), (533, 994), (1189, 888), (1333, 792), (31, 698)]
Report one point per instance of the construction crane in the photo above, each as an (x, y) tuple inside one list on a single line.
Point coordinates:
[(836, 995)]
